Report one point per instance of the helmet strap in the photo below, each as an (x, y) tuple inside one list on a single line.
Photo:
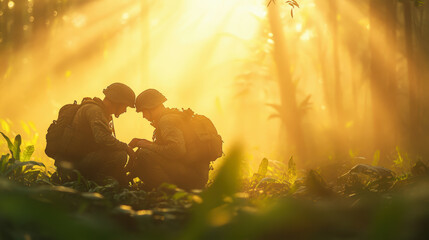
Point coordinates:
[(112, 127)]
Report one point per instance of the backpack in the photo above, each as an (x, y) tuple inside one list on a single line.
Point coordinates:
[(56, 145), (206, 143)]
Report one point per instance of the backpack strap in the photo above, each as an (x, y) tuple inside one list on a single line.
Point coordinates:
[(88, 100), (97, 101)]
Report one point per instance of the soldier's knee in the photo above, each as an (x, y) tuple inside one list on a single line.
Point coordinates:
[(111, 158), (120, 157), (146, 159)]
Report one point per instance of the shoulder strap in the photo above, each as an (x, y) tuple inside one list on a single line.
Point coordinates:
[(98, 102), (88, 100)]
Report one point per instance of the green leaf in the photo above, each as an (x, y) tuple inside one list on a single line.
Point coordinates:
[(179, 195), (4, 158), (266, 180), (5, 126), (3, 161), (373, 171), (291, 166), (18, 165), (226, 183), (263, 167), (291, 170), (262, 171), (9, 143), (14, 147), (17, 147), (399, 161), (30, 176), (376, 158), (29, 150)]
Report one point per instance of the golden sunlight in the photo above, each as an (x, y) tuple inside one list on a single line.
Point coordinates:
[(215, 57)]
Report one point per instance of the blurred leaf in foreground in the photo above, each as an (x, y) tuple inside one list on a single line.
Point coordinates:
[(211, 211)]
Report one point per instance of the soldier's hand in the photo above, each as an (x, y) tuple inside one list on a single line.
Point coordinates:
[(133, 143), (143, 143)]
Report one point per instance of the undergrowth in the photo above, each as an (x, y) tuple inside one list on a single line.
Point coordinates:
[(277, 201)]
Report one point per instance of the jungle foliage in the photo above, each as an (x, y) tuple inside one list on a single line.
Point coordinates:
[(345, 200), (278, 201)]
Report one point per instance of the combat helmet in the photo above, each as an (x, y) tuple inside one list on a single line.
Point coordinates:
[(120, 93), (149, 99)]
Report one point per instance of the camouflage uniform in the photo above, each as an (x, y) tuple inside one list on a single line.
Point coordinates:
[(91, 148), (167, 159)]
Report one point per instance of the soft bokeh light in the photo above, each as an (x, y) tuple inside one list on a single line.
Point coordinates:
[(11, 4)]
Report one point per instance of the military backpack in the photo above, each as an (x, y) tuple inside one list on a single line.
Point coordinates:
[(206, 143), (56, 145)]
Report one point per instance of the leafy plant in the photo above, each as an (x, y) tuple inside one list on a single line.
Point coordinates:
[(17, 166), (276, 205), (402, 163), (262, 171), (366, 178), (291, 171)]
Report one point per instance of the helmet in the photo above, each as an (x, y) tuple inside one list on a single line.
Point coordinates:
[(149, 99), (120, 93)]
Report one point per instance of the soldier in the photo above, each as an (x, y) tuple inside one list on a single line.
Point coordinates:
[(89, 143), (171, 157)]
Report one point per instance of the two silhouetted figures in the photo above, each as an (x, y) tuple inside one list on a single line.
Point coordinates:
[(83, 139)]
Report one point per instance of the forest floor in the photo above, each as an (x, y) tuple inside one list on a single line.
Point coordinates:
[(366, 202)]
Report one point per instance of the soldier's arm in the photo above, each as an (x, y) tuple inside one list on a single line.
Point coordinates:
[(174, 142), (101, 131)]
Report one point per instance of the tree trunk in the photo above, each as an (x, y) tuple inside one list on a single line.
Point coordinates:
[(338, 100), (382, 70), (340, 140), (289, 110), (414, 123), (422, 71)]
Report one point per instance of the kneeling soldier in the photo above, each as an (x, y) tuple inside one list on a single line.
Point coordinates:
[(83, 137), (177, 154)]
